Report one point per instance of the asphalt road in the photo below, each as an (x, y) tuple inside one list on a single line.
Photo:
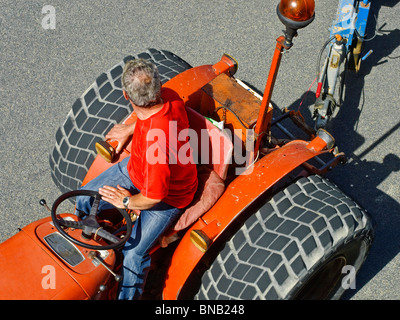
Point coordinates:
[(43, 71)]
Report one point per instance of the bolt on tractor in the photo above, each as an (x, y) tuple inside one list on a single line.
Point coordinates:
[(264, 224)]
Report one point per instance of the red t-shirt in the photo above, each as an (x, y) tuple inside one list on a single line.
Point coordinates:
[(154, 166)]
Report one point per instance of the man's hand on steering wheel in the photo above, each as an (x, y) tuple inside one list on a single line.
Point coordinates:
[(89, 226), (115, 196)]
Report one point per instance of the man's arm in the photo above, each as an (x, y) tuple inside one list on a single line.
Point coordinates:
[(115, 196), (140, 202), (121, 133)]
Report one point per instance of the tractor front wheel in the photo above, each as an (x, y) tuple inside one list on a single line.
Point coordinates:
[(307, 242)]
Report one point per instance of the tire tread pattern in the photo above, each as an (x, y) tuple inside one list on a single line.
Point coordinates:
[(279, 245)]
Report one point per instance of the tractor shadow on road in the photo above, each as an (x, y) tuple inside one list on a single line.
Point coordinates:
[(359, 178)]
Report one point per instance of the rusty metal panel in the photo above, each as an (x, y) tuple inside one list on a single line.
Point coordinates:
[(235, 99)]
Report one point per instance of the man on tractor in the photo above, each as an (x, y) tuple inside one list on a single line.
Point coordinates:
[(160, 189)]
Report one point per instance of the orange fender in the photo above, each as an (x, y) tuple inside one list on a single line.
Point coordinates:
[(240, 193)]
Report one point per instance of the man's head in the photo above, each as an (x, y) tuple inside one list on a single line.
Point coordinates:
[(141, 82)]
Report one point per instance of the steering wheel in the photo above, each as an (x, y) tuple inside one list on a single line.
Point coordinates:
[(89, 225)]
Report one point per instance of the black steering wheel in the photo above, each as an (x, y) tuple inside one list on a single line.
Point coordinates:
[(89, 225)]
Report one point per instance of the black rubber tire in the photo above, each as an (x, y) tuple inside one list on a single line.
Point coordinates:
[(100, 107), (281, 250)]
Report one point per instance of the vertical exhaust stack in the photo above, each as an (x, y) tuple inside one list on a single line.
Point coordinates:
[(294, 14)]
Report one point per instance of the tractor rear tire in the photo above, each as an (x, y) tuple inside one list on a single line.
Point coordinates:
[(307, 242), (100, 107)]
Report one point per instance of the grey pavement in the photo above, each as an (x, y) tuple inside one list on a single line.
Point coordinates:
[(43, 71)]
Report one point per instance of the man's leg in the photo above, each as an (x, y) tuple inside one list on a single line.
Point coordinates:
[(116, 175), (148, 228)]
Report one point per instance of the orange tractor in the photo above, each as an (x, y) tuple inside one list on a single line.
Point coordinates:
[(264, 223)]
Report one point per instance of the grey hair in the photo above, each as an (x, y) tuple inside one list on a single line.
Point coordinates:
[(141, 81)]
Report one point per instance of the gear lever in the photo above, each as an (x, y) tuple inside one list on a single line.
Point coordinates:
[(93, 255), (44, 204)]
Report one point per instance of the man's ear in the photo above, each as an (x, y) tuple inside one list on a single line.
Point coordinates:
[(125, 95)]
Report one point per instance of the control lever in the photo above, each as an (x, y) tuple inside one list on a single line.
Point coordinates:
[(44, 204), (93, 256)]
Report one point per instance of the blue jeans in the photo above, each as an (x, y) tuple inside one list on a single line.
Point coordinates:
[(150, 225)]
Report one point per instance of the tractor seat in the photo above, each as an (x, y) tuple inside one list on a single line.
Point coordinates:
[(213, 162)]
